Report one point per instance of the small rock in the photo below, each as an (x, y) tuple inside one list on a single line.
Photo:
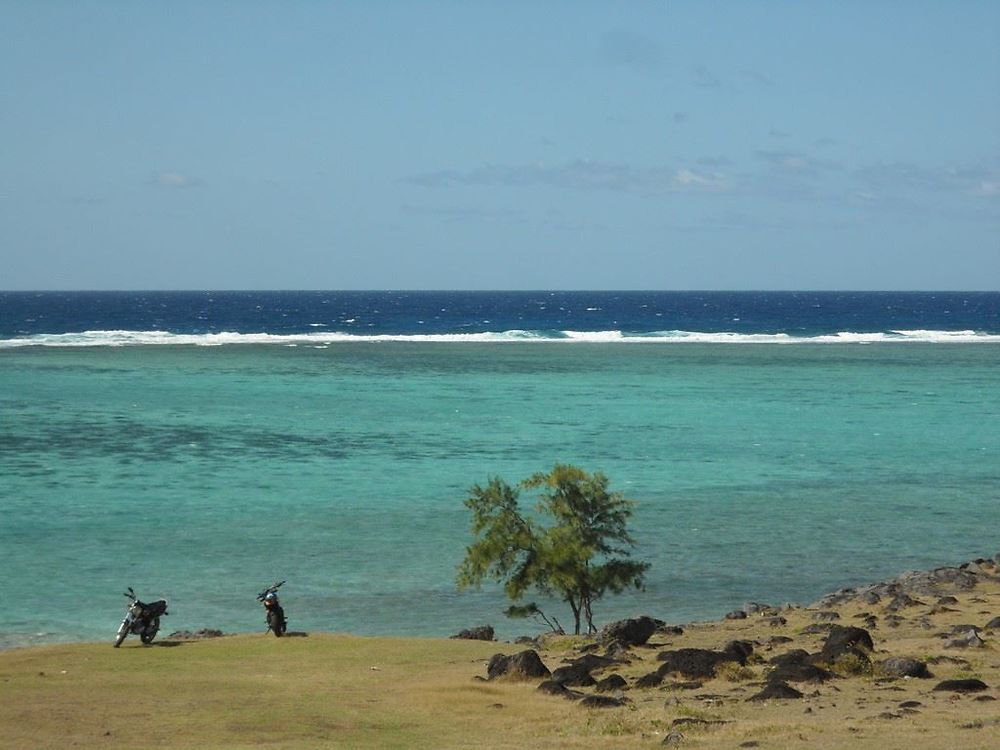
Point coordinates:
[(799, 672), (602, 701), (575, 675), (970, 639), (188, 635), (482, 633), (611, 683), (617, 652), (691, 662), (633, 632), (776, 691), (993, 624), (948, 660), (736, 614), (756, 608), (653, 679), (795, 656), (962, 686), (826, 616), (525, 665), (670, 630), (901, 601), (673, 738), (555, 688), (816, 628), (844, 640), (904, 666), (738, 651), (690, 721), (681, 685), (777, 640)]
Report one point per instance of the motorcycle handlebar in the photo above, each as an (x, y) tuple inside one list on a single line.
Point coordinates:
[(272, 587)]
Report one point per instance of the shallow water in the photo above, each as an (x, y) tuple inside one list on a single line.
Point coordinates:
[(201, 474)]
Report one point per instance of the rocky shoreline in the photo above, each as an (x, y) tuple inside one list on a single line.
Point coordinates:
[(922, 643)]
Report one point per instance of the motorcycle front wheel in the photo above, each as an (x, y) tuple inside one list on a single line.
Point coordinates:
[(150, 632), (122, 632), (274, 622)]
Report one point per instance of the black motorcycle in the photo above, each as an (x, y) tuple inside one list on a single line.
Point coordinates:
[(141, 619), (276, 621)]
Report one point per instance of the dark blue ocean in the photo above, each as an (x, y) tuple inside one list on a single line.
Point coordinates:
[(200, 445), (539, 314)]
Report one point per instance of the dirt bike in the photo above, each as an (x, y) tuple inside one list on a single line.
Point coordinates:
[(276, 621), (141, 619)]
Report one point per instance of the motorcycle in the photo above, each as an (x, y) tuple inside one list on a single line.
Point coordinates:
[(141, 619), (276, 621)]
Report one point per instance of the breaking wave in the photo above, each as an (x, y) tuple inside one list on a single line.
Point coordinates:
[(150, 338)]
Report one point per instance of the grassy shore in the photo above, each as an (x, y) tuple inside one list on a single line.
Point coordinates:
[(335, 691)]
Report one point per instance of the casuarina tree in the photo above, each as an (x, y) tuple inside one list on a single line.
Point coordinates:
[(575, 547)]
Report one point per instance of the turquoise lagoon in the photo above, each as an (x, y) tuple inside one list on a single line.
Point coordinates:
[(762, 472)]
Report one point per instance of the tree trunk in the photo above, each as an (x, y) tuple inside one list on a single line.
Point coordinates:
[(576, 614), (589, 614)]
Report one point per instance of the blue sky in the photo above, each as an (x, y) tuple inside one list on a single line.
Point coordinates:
[(506, 145)]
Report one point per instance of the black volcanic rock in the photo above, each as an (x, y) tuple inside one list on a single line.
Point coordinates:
[(482, 633), (525, 665), (632, 632), (776, 691), (962, 686)]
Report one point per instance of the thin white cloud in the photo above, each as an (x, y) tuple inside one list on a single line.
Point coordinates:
[(463, 213), (582, 175), (175, 180), (969, 180), (797, 163)]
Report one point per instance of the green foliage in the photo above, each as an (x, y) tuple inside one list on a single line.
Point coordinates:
[(581, 555), (851, 665)]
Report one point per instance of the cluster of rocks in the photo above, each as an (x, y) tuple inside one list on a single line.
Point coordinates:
[(694, 664), (597, 677), (616, 639), (846, 647), (899, 593), (846, 650)]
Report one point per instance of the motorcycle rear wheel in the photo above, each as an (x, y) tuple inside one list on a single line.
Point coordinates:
[(274, 623), (149, 634)]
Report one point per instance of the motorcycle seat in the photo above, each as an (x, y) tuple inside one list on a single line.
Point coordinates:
[(155, 609)]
